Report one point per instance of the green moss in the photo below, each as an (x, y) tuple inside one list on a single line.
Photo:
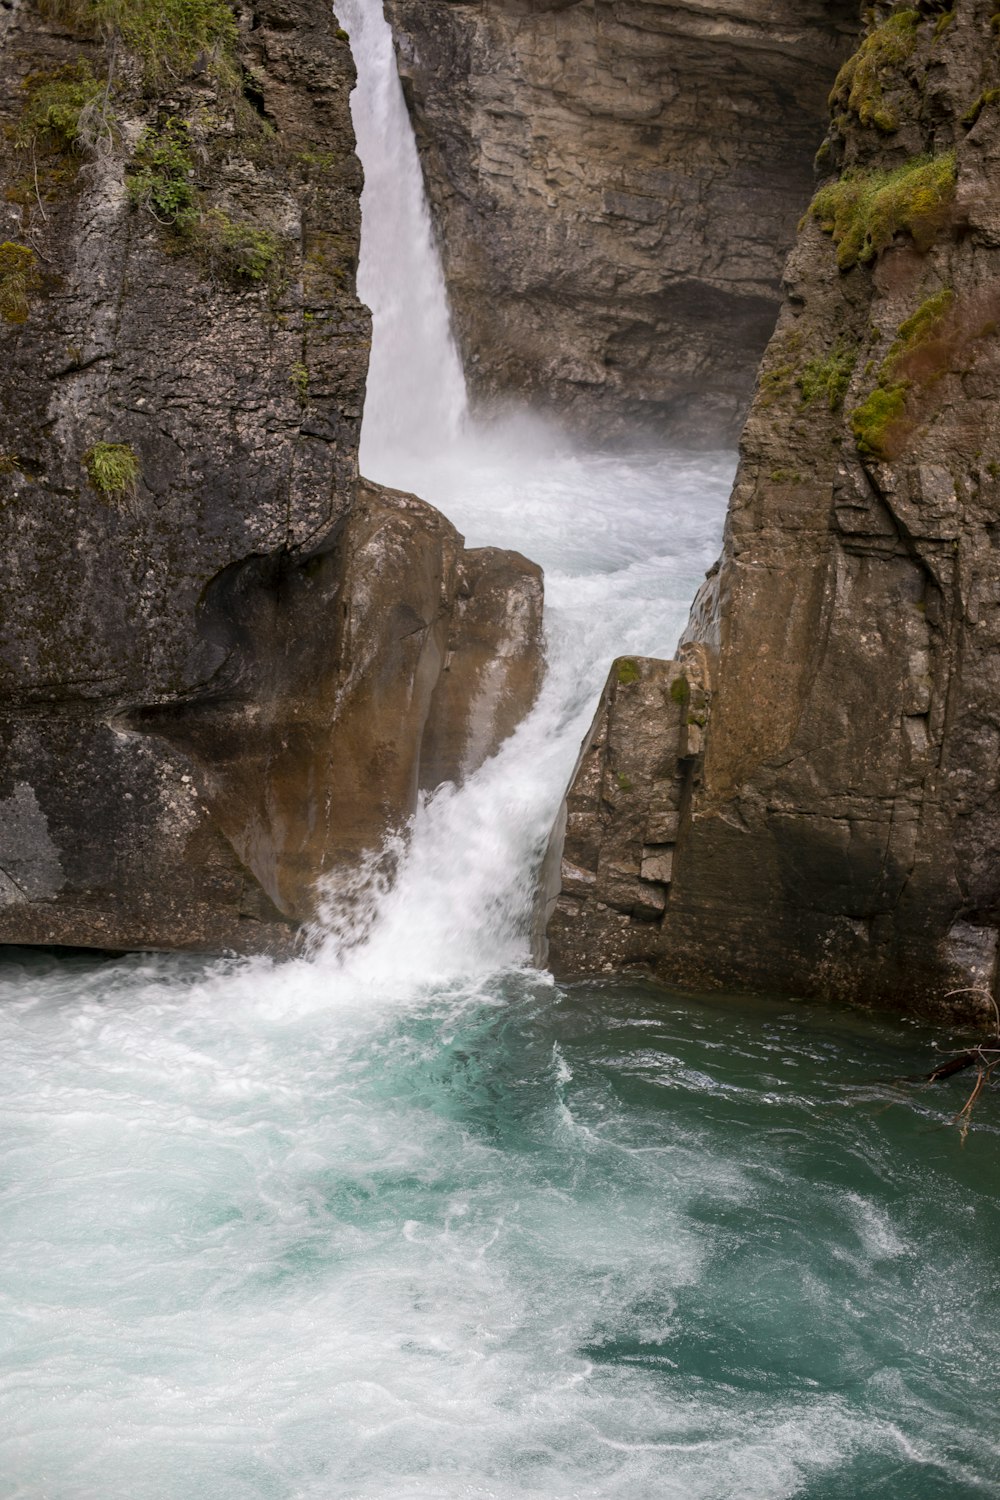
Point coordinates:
[(785, 476), (864, 211), (859, 85), (624, 784), (113, 469), (873, 421), (628, 671), (827, 377), (918, 329), (943, 22), (163, 177), (991, 96), (20, 278), (879, 422), (993, 470), (169, 36), (679, 690)]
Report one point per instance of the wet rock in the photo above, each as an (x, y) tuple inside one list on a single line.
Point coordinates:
[(215, 675), (840, 813), (615, 188)]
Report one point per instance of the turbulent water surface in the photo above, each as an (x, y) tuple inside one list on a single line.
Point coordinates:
[(409, 1220)]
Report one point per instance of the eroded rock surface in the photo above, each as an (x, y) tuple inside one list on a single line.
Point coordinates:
[(616, 186), (216, 669), (839, 833)]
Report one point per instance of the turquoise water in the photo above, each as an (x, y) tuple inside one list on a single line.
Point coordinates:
[(495, 1240)]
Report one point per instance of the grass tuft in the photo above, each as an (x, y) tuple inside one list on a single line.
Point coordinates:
[(113, 469)]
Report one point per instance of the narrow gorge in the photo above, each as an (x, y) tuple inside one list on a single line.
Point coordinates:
[(400, 1099)]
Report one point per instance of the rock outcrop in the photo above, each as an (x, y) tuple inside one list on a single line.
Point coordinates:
[(838, 808), (616, 186), (218, 658)]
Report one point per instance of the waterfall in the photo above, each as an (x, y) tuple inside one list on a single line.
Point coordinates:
[(623, 542), (416, 398)]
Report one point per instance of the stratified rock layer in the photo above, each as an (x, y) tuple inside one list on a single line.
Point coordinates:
[(215, 676), (840, 832), (616, 186)]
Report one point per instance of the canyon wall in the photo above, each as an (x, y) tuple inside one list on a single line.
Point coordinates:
[(808, 798), (616, 184), (219, 657)]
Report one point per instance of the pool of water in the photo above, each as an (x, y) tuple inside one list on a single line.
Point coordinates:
[(271, 1232)]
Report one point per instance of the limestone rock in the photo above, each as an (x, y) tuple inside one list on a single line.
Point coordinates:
[(615, 188), (840, 829)]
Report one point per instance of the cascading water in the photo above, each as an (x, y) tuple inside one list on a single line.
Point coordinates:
[(410, 1221), (416, 390)]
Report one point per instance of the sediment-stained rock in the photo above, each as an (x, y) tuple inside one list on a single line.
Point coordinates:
[(842, 827), (615, 187), (336, 704)]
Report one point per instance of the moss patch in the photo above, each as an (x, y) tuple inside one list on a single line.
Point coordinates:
[(985, 100), (864, 211), (628, 671), (20, 278), (827, 377), (113, 469), (860, 83), (920, 354)]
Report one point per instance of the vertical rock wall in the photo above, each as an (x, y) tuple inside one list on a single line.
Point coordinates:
[(839, 833), (615, 187), (190, 653)]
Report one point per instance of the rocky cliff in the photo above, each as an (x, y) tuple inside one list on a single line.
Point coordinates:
[(219, 659), (808, 799), (616, 184)]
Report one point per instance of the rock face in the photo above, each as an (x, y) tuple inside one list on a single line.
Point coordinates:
[(839, 822), (209, 637), (615, 187)]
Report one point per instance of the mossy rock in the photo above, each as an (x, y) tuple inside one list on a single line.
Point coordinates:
[(628, 671), (860, 85), (863, 212)]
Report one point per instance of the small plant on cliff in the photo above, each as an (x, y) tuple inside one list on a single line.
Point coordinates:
[(239, 250), (20, 277), (113, 469), (827, 377), (171, 37), (163, 179), (860, 82), (864, 211), (56, 104)]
